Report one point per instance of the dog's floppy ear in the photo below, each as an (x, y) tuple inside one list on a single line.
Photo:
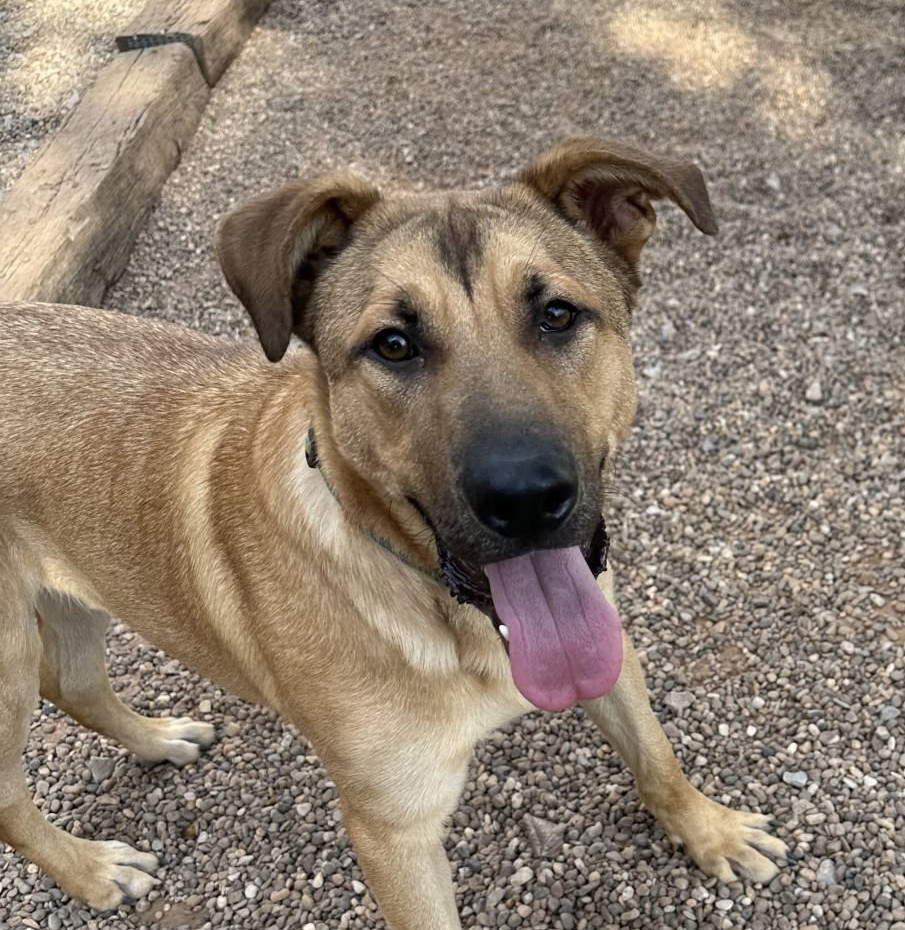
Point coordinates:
[(272, 249), (608, 187)]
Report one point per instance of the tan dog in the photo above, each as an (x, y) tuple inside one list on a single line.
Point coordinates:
[(295, 531)]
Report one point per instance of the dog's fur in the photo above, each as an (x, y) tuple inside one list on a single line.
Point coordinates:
[(160, 476)]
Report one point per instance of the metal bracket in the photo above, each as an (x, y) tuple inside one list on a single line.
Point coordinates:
[(152, 40)]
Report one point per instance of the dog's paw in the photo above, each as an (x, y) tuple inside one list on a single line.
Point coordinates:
[(174, 739), (109, 874), (184, 728), (731, 845)]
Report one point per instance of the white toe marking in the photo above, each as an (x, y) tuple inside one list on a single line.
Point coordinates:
[(182, 752)]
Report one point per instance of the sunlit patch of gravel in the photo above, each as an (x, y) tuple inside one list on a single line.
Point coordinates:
[(50, 52), (758, 527)]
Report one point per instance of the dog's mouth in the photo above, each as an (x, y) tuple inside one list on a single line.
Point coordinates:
[(563, 639)]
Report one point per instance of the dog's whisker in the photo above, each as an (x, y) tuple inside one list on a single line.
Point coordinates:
[(401, 288)]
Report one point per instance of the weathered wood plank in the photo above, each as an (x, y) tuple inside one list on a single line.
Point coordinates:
[(68, 225), (216, 29)]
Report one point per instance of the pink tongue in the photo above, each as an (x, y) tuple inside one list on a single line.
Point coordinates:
[(565, 640)]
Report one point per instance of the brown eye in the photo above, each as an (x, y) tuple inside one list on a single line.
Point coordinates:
[(558, 316), (392, 345)]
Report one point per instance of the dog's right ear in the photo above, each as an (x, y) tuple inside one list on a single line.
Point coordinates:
[(607, 188), (272, 249)]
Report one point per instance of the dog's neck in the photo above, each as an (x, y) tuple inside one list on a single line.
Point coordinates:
[(312, 458), (295, 421), (369, 513)]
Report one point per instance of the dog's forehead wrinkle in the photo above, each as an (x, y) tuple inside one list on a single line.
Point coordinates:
[(458, 241)]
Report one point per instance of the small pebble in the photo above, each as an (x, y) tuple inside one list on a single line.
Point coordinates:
[(545, 837), (101, 767), (680, 700), (797, 779), (826, 873)]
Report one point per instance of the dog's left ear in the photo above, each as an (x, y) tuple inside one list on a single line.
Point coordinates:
[(608, 187), (272, 249)]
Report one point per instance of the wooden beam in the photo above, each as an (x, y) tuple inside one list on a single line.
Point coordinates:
[(68, 225)]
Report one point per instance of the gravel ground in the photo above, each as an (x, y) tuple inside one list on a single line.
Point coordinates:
[(759, 529), (49, 54)]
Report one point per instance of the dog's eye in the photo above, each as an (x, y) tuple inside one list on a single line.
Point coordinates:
[(392, 345), (558, 316)]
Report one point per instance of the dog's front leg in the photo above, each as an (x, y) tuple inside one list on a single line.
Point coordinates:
[(406, 868), (398, 780), (721, 841)]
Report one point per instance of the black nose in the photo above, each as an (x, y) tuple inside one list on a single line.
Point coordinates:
[(521, 490)]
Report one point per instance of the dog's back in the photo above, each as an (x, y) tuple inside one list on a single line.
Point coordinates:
[(63, 363), (76, 383), (101, 389)]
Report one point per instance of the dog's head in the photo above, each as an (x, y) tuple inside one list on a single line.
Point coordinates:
[(474, 346)]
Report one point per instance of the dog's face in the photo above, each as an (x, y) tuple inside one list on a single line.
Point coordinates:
[(474, 346), (476, 352)]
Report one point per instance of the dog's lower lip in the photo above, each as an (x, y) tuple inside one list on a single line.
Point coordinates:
[(468, 583), (421, 511)]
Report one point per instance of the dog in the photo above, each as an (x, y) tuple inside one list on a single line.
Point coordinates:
[(391, 533)]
